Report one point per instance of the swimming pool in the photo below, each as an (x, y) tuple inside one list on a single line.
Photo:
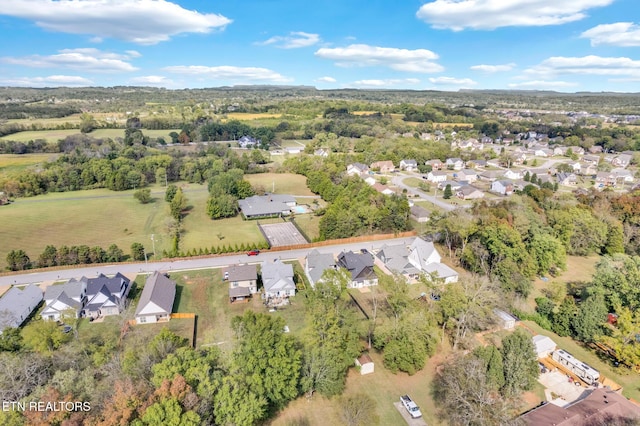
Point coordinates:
[(300, 209)]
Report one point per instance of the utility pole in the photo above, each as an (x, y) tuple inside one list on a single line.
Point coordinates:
[(153, 241)]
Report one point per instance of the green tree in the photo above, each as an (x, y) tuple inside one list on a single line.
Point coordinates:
[(48, 257), (494, 366), (43, 336), (563, 317), (87, 123), (590, 318), (221, 206), (548, 252), (520, 363), (168, 412), (239, 404), (447, 192), (17, 260), (178, 204), (170, 193), (143, 195), (358, 410), (114, 254), (269, 359), (137, 251), (624, 336), (10, 339)]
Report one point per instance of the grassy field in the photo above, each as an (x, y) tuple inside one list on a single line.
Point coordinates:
[(283, 183), (96, 218), (55, 135), (243, 116), (414, 182), (201, 231), (11, 163)]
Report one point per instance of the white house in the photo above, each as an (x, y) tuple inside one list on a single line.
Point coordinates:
[(502, 187), (156, 300), (543, 345), (440, 271), (454, 163), (64, 298), (17, 304), (357, 169), (277, 280), (513, 174), (316, 263), (106, 296), (365, 363), (422, 253), (436, 176), (409, 165)]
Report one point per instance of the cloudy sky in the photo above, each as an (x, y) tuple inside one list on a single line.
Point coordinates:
[(563, 45)]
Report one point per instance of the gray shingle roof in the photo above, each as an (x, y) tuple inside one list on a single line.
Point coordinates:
[(318, 262), (159, 290), (262, 205), (360, 265), (396, 259), (242, 272), (15, 302), (277, 276), (72, 288)]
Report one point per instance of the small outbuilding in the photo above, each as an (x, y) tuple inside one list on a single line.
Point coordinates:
[(365, 363), (543, 345), (507, 321)]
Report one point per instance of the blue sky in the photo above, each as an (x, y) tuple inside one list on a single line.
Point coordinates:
[(563, 45)]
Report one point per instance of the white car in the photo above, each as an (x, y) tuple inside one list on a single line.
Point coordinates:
[(412, 408)]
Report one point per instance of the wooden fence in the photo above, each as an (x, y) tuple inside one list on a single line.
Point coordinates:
[(183, 315)]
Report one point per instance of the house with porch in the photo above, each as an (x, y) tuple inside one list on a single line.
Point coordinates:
[(396, 259), (360, 267), (243, 281), (156, 300), (277, 281), (62, 299), (106, 296)]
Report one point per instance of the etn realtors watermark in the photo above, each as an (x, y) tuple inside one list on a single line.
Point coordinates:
[(53, 406)]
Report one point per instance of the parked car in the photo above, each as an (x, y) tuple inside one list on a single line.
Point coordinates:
[(226, 275), (412, 407), (253, 252)]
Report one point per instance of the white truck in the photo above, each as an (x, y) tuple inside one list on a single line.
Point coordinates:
[(412, 407)]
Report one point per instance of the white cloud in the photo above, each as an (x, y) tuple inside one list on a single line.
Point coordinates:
[(452, 81), (230, 73), (326, 80), (626, 34), (542, 85), (152, 80), (586, 65), (362, 55), (490, 14), (50, 81), (85, 59), (386, 82), (493, 68), (294, 40), (138, 21)]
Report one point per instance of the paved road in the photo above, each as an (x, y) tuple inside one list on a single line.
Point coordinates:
[(186, 264), (397, 180)]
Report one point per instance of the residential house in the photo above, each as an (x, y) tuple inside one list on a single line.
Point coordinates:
[(156, 300), (360, 267), (396, 259), (62, 299), (383, 189), (441, 272), (357, 169), (593, 159), (321, 152), (422, 253), (266, 205), (106, 296), (623, 175), (595, 149), (474, 164), (436, 176), (17, 304), (518, 158), (370, 180), (512, 174), (454, 163), (409, 165), (506, 320), (622, 160), (502, 187), (468, 175), (435, 164), (588, 169), (420, 214), (469, 192), (578, 150), (383, 166), (494, 162), (560, 150), (543, 152), (489, 175), (486, 140), (248, 142), (605, 180), (243, 281), (455, 185), (575, 165), (600, 406), (567, 179), (277, 280), (316, 264)]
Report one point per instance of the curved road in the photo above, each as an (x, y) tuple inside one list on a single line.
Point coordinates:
[(187, 264), (397, 181)]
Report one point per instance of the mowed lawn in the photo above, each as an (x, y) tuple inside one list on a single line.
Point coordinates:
[(201, 231), (96, 218), (281, 183), (55, 135)]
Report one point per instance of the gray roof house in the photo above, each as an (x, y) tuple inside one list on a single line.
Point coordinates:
[(243, 281), (422, 253), (277, 280), (248, 142), (17, 304), (266, 205), (357, 169), (409, 165), (156, 300), (360, 267), (316, 263), (442, 272), (420, 214), (67, 297), (396, 259), (502, 187), (106, 296)]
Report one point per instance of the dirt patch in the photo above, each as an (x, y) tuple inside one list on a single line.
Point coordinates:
[(4, 289)]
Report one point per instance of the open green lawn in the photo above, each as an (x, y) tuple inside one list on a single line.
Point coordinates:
[(96, 218), (55, 135), (11, 163), (413, 182), (281, 183), (202, 232)]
